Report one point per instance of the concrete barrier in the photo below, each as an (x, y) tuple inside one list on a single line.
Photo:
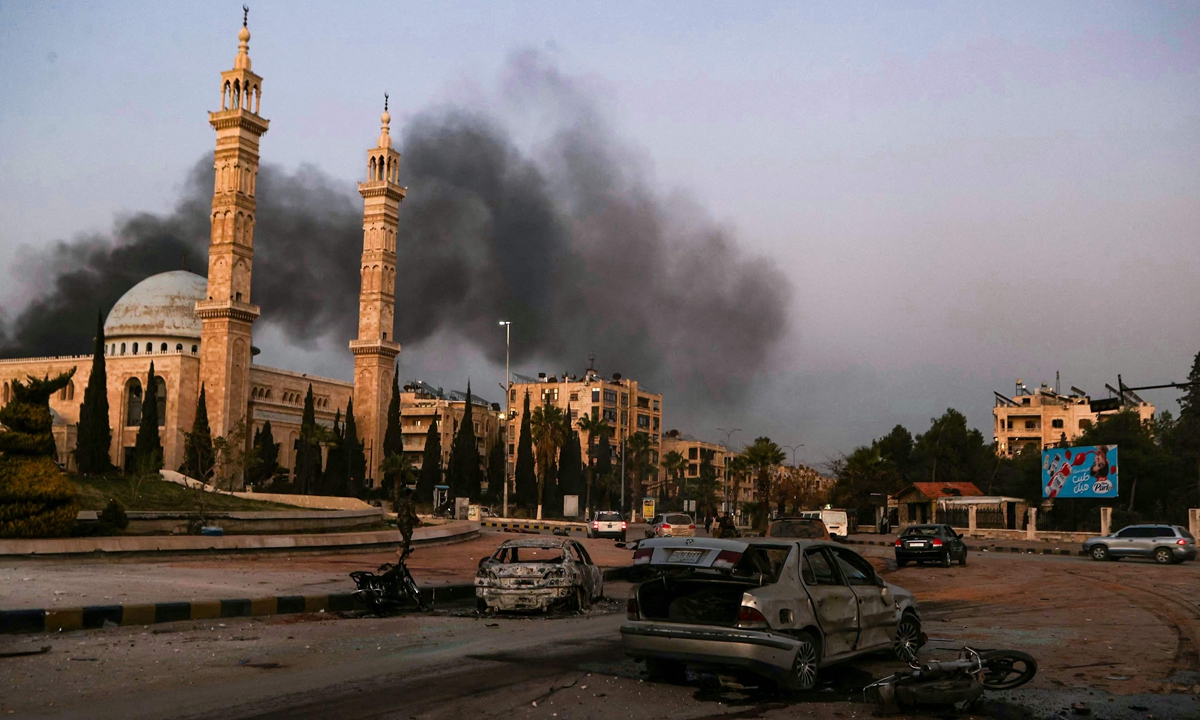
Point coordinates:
[(520, 524), (146, 522)]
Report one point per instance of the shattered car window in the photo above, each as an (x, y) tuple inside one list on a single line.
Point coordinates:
[(765, 560), (816, 569), (530, 555)]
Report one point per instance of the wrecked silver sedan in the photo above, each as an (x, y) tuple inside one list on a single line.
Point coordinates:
[(773, 607), (538, 573)]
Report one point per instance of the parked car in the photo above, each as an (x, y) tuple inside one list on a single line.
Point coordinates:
[(538, 573), (776, 608), (930, 543), (608, 525), (805, 528), (672, 525), (836, 521), (1165, 543)]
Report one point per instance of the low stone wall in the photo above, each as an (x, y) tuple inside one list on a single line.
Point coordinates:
[(142, 522), (315, 502), (1040, 535)]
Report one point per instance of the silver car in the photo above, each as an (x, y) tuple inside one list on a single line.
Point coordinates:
[(1164, 543), (779, 608), (538, 573)]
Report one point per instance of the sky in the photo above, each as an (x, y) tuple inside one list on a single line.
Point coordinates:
[(956, 194)]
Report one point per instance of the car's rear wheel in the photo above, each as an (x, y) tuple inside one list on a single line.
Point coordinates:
[(907, 641), (946, 559), (666, 671), (1100, 552), (1163, 556), (806, 664)]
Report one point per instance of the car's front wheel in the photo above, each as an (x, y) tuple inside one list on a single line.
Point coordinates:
[(808, 660), (907, 641), (962, 561), (1100, 552)]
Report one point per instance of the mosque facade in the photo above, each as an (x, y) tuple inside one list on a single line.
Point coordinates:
[(199, 331)]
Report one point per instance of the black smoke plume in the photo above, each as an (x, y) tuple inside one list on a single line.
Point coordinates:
[(566, 241)]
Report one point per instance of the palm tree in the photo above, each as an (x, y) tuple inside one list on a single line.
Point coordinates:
[(595, 428), (762, 456), (637, 461), (674, 463), (546, 424)]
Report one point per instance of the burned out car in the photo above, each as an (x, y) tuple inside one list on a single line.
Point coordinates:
[(777, 608), (538, 573)]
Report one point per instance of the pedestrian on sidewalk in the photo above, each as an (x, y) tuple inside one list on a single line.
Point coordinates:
[(708, 518), (406, 519)]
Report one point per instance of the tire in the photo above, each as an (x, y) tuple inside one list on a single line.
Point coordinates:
[(962, 561), (666, 671), (907, 640), (1007, 669), (1100, 552), (806, 664), (946, 559), (481, 606), (1164, 556)]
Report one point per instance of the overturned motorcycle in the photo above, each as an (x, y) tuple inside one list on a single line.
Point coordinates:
[(954, 683), (390, 591)]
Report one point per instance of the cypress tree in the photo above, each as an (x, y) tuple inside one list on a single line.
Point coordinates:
[(603, 474), (308, 448), (198, 445), (147, 449), (570, 467), (266, 455), (431, 463), (525, 473), (465, 478), (95, 434), (496, 471), (337, 476), (356, 458), (393, 440)]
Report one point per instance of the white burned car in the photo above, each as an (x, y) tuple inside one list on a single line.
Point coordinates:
[(780, 608), (538, 573)]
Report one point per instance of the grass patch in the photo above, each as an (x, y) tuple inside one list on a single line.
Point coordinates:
[(95, 492)]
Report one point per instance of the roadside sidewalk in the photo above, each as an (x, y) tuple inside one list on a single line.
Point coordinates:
[(974, 545)]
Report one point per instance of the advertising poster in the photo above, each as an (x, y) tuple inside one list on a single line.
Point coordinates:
[(1080, 472)]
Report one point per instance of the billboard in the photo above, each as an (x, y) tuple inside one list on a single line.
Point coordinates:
[(1080, 472)]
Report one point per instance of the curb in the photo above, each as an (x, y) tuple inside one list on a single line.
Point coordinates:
[(996, 548), (96, 616)]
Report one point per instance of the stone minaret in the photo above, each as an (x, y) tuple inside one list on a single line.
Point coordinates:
[(375, 350), (226, 314)]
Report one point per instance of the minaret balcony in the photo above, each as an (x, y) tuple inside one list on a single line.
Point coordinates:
[(374, 347), (238, 118), (231, 308)]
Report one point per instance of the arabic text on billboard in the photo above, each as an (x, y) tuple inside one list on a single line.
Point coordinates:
[(1080, 472)]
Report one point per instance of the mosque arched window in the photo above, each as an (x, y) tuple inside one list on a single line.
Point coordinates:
[(179, 347), (5, 392), (122, 348), (133, 402), (71, 390), (194, 348), (163, 348), (135, 346), (161, 385)]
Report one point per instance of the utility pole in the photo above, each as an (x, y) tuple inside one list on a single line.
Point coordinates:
[(623, 478), (507, 407), (728, 433)]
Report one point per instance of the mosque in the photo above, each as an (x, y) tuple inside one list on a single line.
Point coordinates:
[(198, 331)]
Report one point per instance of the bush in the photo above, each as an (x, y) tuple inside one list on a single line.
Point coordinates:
[(36, 499), (113, 518)]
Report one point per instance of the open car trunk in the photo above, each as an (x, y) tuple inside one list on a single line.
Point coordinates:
[(697, 601)]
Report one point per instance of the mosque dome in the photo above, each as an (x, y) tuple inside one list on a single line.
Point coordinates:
[(162, 305)]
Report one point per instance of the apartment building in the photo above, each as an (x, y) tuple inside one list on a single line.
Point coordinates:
[(692, 449), (422, 404), (1042, 418), (623, 403)]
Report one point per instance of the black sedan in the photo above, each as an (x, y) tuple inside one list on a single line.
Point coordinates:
[(930, 543)]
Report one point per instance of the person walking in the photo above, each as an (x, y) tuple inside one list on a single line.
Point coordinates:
[(708, 520)]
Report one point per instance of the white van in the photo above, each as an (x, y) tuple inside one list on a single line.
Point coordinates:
[(835, 520)]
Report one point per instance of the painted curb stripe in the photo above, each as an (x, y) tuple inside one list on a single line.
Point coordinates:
[(96, 615), (21, 621), (236, 608)]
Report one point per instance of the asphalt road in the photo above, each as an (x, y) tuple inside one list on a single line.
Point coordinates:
[(1114, 636)]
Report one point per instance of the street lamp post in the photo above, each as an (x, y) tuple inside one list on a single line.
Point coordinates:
[(728, 433), (793, 448), (507, 406)]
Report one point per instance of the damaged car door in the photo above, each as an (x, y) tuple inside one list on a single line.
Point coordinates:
[(876, 614), (835, 603)]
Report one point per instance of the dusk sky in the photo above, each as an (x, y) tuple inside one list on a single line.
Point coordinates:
[(958, 194)]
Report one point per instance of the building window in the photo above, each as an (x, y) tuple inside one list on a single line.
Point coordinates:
[(693, 470), (693, 453), (1030, 424), (122, 348), (161, 385), (1010, 424), (574, 397), (512, 395), (624, 418), (1056, 423), (610, 415), (643, 402), (595, 395), (624, 399), (133, 402), (549, 395), (163, 348), (595, 411), (643, 421), (610, 397), (1024, 401), (178, 347), (135, 345), (512, 449), (194, 349), (656, 423), (655, 406)]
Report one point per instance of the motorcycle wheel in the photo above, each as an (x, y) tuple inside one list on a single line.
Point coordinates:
[(1006, 669)]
